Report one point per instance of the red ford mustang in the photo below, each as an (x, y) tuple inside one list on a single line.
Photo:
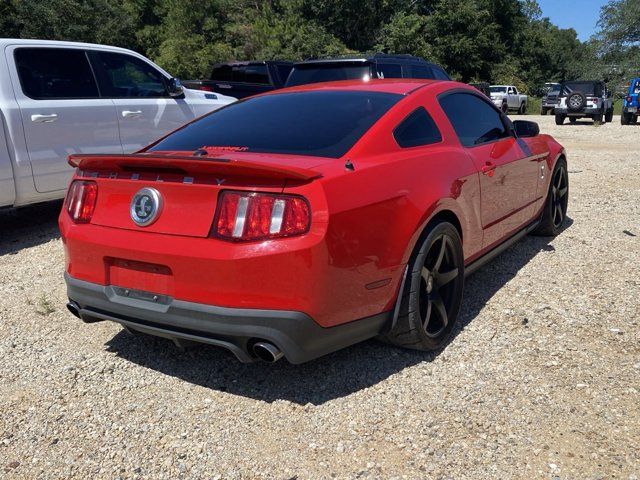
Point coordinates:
[(302, 221)]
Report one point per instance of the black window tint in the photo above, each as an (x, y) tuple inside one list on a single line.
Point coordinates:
[(440, 74), (474, 120), (252, 74), (284, 71), (222, 73), (124, 76), (55, 73), (389, 70), (417, 129), (421, 71), (304, 74), (320, 123)]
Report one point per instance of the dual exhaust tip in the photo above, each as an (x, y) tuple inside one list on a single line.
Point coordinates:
[(265, 351)]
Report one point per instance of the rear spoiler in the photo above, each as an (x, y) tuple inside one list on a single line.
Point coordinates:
[(137, 162)]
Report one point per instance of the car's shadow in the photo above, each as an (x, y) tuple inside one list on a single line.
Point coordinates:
[(329, 377), (29, 226)]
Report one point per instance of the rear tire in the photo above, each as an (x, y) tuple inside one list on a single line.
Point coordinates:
[(573, 119), (523, 109), (505, 108), (625, 118), (608, 118), (554, 214), (560, 119), (432, 291), (543, 111)]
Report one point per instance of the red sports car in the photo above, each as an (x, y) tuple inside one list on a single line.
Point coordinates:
[(305, 220)]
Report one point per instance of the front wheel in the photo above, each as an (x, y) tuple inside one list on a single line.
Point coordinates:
[(505, 108), (554, 213), (432, 292), (543, 111), (560, 119)]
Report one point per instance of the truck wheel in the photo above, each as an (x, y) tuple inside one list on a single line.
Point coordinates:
[(523, 109), (572, 119), (560, 119), (609, 116), (543, 111), (625, 118), (598, 119), (505, 108)]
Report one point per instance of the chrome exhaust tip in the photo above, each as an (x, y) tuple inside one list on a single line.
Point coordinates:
[(267, 352), (74, 308)]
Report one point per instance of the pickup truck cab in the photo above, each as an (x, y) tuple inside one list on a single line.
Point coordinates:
[(363, 67), (584, 99), (507, 98), (244, 79), (60, 98), (631, 103)]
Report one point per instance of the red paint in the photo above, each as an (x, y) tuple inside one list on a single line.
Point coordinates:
[(364, 223)]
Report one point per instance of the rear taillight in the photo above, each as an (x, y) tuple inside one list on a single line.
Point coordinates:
[(246, 216), (81, 200)]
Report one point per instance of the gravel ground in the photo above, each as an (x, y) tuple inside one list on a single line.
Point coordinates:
[(542, 380)]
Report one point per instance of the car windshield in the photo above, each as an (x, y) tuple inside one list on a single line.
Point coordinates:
[(317, 123), (330, 72), (498, 89), (586, 88)]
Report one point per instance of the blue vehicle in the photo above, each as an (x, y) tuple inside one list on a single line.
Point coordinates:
[(631, 105)]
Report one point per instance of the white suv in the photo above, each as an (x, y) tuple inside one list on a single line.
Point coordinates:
[(59, 98)]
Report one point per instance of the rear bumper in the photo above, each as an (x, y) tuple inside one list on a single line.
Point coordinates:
[(298, 336), (578, 113)]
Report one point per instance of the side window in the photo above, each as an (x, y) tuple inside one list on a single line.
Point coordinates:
[(47, 73), (440, 74), (124, 76), (510, 91), (389, 70), (251, 74), (474, 120), (421, 71), (417, 129), (222, 73), (284, 71)]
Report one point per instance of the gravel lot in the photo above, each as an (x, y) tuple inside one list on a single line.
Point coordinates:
[(542, 380)]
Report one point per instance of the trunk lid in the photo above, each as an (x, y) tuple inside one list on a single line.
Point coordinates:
[(188, 186)]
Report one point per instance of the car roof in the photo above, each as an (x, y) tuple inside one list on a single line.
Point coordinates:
[(4, 42), (583, 81), (404, 58), (401, 86), (252, 62)]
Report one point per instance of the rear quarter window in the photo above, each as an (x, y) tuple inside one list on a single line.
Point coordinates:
[(317, 123), (416, 130)]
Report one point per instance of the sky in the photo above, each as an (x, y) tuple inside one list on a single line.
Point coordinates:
[(581, 15)]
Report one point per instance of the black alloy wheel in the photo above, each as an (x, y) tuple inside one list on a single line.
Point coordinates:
[(437, 286), (554, 213), (559, 196), (432, 292)]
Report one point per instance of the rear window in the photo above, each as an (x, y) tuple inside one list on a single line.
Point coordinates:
[(55, 73), (325, 124), (304, 74), (241, 74)]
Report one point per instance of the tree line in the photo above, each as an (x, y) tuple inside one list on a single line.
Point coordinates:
[(499, 41)]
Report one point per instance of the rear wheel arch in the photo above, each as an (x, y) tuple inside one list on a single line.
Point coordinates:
[(445, 215)]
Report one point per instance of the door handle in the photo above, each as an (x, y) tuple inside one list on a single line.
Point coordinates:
[(131, 113), (39, 118), (488, 169)]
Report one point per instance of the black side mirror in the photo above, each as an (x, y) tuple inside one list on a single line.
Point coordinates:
[(525, 128), (174, 87)]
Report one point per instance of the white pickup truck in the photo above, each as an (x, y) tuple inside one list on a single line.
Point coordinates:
[(507, 98), (59, 98)]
